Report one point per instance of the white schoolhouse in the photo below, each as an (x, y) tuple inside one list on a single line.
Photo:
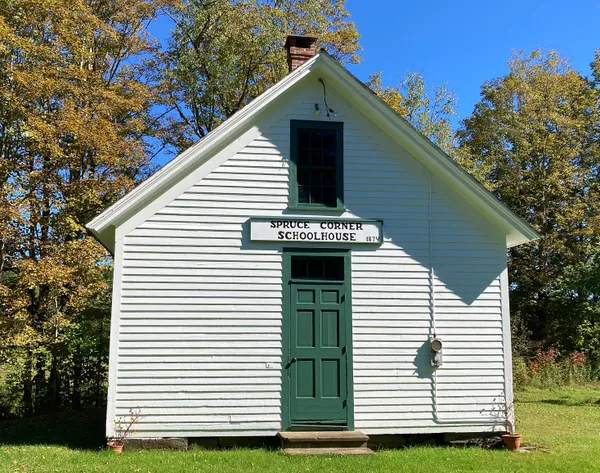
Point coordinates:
[(314, 263)]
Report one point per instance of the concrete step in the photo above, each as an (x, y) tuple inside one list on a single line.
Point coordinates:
[(328, 451), (325, 442)]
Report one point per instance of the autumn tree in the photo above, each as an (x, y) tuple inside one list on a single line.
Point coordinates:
[(429, 111), (224, 53), (74, 118), (533, 141)]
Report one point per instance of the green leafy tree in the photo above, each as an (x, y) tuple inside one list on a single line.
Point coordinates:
[(74, 115), (224, 53), (578, 289), (428, 112), (533, 141)]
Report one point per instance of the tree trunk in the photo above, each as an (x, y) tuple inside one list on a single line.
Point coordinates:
[(39, 382), (76, 396), (54, 385), (28, 384)]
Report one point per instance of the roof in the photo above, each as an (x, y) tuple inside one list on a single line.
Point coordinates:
[(428, 154)]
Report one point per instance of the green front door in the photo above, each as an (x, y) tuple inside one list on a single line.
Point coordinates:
[(317, 366)]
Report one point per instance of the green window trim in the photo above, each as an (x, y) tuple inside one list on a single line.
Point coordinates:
[(338, 127)]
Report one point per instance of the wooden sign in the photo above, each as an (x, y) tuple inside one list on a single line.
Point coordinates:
[(322, 231)]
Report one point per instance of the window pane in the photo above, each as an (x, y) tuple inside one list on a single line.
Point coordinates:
[(316, 139), (304, 157), (315, 268), (303, 176), (329, 140), (315, 177), (328, 196), (316, 157), (315, 166), (334, 268), (298, 267), (328, 177), (328, 157), (316, 195), (303, 139), (303, 194)]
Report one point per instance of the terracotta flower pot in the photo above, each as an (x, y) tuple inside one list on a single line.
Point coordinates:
[(116, 447), (512, 441)]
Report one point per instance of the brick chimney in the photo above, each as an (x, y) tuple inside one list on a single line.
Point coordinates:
[(299, 50)]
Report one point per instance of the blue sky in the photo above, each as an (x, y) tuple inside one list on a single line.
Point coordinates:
[(464, 43)]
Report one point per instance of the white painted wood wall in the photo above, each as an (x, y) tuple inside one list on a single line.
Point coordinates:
[(199, 323)]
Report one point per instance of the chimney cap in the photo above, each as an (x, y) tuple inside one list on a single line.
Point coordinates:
[(290, 36)]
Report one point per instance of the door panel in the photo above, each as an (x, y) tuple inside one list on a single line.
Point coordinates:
[(318, 369)]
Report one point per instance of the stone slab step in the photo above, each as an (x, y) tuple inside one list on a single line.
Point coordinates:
[(324, 436), (329, 451), (323, 439)]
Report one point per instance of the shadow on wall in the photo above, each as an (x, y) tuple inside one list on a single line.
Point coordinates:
[(422, 362), (383, 182), (467, 255), (423, 368), (466, 258), (466, 281)]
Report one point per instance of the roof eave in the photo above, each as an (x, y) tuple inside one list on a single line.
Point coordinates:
[(106, 238), (516, 229), (117, 213), (520, 231)]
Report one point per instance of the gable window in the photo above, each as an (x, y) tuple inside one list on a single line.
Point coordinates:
[(316, 174)]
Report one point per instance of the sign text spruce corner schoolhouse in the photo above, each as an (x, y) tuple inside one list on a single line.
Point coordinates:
[(316, 230)]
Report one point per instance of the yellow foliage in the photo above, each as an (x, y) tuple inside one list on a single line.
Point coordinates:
[(74, 115)]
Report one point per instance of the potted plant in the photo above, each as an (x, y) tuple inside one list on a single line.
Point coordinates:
[(123, 428), (512, 441)]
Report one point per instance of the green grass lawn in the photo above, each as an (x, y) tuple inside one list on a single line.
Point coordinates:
[(566, 421)]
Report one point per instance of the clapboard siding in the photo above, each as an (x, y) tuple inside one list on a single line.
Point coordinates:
[(228, 340), (199, 348)]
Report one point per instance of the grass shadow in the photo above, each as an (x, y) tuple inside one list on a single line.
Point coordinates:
[(563, 402), (82, 430), (571, 402)]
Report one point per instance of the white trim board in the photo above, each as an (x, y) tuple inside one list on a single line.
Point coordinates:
[(115, 321)]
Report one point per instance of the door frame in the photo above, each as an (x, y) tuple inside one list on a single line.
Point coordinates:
[(286, 331)]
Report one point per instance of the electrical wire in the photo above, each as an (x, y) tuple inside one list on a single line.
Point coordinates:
[(327, 108), (433, 329)]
